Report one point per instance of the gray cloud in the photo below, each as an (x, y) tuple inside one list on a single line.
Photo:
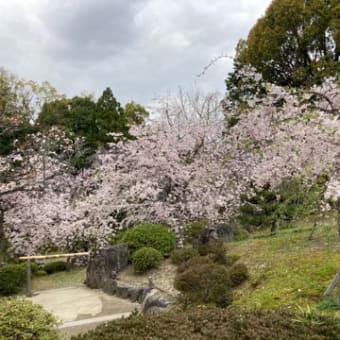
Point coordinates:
[(140, 48)]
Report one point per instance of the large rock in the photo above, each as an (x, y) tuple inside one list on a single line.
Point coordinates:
[(104, 264), (156, 301), (215, 232)]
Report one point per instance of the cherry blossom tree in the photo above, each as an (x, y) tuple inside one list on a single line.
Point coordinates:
[(179, 169)]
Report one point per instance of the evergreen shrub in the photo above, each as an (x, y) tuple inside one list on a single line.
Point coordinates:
[(54, 267), (204, 283), (182, 255), (238, 273), (12, 278), (146, 258), (156, 236), (21, 319)]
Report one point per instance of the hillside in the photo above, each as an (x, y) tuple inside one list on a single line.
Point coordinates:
[(288, 270)]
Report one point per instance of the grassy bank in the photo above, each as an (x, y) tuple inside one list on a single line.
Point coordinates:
[(288, 270)]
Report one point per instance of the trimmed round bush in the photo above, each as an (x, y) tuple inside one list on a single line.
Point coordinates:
[(238, 273), (207, 283), (156, 236), (182, 255), (12, 278), (21, 319), (146, 258), (54, 267)]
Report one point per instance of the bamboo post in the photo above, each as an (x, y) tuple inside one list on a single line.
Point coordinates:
[(333, 284), (28, 278), (40, 257)]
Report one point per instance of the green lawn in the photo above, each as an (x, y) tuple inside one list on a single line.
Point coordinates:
[(72, 278)]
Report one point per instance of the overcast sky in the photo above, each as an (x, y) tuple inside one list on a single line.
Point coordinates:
[(140, 48)]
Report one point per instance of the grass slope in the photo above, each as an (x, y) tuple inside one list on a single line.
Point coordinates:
[(288, 270)]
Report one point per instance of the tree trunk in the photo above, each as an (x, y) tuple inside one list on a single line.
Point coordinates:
[(338, 209), (2, 235), (273, 229)]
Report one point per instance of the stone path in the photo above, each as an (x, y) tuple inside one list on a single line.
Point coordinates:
[(80, 308)]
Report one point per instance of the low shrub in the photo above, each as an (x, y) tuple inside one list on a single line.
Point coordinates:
[(54, 267), (12, 278), (34, 268), (156, 236), (40, 273), (21, 319), (196, 261), (146, 258), (207, 283), (238, 273), (215, 323), (182, 255), (216, 249)]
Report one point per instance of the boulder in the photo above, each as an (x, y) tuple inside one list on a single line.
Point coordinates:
[(104, 265), (214, 232), (156, 301)]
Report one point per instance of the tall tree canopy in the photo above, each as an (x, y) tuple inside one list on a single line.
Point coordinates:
[(296, 43)]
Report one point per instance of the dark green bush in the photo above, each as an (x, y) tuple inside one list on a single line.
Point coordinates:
[(146, 258), (12, 278), (34, 268), (207, 283), (54, 267), (216, 248), (192, 229), (182, 255), (155, 236), (21, 319), (238, 273), (215, 323)]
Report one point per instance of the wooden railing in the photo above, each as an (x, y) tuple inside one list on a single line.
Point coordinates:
[(43, 257)]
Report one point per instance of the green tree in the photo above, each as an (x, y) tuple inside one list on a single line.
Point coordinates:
[(135, 113), (97, 123), (110, 117), (18, 101), (296, 43)]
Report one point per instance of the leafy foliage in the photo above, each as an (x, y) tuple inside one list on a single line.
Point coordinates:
[(156, 236), (293, 199), (12, 278), (192, 229), (183, 254), (296, 42), (238, 273), (216, 249), (21, 319), (54, 267), (135, 113), (215, 323), (146, 258), (204, 283)]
